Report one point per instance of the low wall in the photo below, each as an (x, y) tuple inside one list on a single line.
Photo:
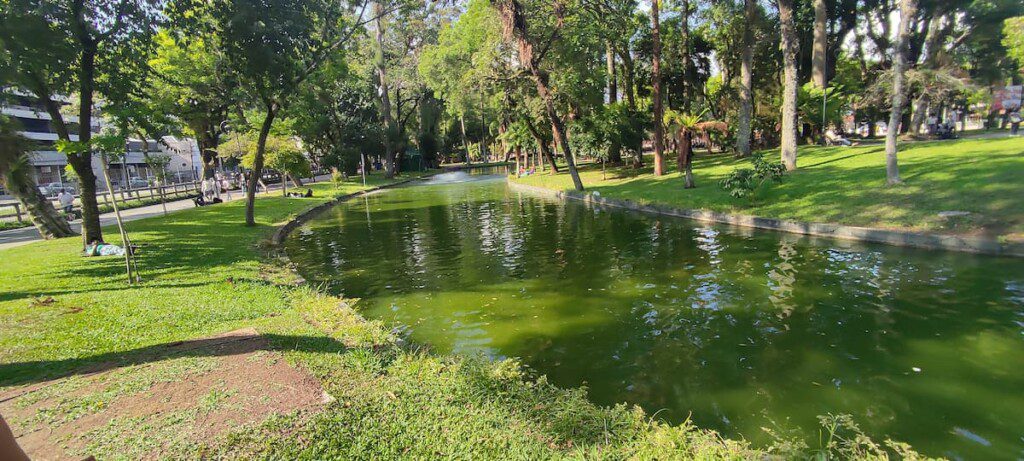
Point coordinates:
[(282, 232), (981, 245), (463, 166)]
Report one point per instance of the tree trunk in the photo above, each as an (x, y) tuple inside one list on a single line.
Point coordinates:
[(790, 84), (908, 8), (542, 145), (685, 56), (45, 217), (920, 112), (686, 146), (514, 22), (656, 96), (385, 99), (82, 162), (931, 43), (744, 126), (519, 155), (684, 157), (257, 166), (628, 73), (819, 73), (614, 150), (465, 145), (208, 153)]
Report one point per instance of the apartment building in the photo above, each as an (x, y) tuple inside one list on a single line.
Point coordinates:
[(49, 165)]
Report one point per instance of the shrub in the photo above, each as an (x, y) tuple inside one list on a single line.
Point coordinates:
[(337, 178), (742, 182)]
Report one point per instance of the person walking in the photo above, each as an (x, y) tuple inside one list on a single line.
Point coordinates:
[(66, 200)]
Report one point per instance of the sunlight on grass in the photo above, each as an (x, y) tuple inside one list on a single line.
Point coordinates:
[(846, 185)]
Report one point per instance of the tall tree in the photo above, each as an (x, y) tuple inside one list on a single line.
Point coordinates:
[(517, 30), (656, 96), (819, 50), (685, 57), (614, 149), (274, 46), (193, 83), (88, 48), (934, 38), (908, 9), (790, 83), (383, 94), (746, 113)]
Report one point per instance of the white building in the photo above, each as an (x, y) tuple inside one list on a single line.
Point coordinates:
[(185, 162)]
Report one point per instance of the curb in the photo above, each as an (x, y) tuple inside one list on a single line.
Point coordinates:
[(459, 167), (305, 216), (979, 245)]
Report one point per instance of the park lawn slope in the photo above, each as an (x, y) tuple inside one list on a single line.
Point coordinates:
[(846, 185), (205, 274)]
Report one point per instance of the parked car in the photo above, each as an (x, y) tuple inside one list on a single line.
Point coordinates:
[(55, 187), (137, 183)]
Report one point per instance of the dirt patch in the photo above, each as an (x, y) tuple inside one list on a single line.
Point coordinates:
[(178, 402)]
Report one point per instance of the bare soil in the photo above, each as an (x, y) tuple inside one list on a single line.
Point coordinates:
[(185, 397)]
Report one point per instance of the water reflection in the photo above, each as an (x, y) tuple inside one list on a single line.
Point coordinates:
[(741, 329)]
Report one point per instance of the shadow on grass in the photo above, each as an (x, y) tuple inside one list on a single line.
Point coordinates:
[(21, 373)]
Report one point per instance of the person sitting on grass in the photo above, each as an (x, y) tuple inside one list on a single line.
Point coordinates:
[(96, 247), (200, 200)]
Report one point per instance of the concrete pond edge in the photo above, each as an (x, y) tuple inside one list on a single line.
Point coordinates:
[(978, 245), (282, 232)]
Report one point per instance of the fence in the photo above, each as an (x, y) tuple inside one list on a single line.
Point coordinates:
[(104, 198)]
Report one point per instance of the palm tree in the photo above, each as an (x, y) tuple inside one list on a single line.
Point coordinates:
[(16, 177), (684, 127)]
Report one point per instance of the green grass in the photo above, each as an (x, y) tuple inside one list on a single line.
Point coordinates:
[(846, 185), (205, 273)]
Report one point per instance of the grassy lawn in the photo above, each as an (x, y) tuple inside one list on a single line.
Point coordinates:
[(205, 273), (847, 185)]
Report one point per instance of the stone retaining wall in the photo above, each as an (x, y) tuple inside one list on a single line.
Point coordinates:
[(981, 245), (282, 232)]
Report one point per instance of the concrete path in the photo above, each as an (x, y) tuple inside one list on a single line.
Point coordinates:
[(25, 235)]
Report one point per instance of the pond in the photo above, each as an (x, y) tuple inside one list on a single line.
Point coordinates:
[(737, 329)]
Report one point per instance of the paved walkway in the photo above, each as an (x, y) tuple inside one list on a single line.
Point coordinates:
[(26, 235)]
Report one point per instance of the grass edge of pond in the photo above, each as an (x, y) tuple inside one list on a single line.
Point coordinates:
[(392, 400)]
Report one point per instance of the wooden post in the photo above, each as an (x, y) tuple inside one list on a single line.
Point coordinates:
[(120, 226), (17, 211)]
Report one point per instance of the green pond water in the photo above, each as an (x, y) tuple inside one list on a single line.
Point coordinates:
[(737, 329)]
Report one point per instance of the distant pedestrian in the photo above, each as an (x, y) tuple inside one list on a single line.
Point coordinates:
[(66, 200), (1015, 120)]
